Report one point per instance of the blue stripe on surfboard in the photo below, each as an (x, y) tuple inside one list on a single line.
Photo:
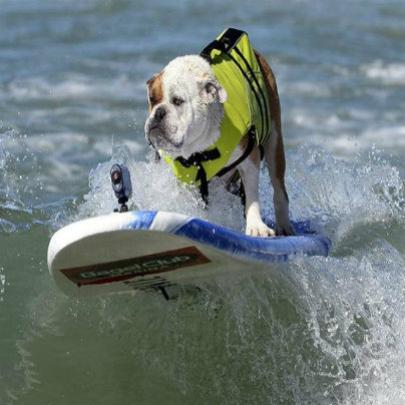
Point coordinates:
[(142, 219), (265, 249)]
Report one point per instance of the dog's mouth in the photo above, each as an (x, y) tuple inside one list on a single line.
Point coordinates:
[(160, 141), (153, 127)]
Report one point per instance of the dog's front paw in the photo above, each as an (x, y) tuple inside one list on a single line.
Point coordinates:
[(285, 229), (259, 228)]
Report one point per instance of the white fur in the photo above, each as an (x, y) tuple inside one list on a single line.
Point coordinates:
[(195, 124), (255, 226)]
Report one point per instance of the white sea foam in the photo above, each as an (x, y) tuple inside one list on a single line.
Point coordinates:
[(310, 120), (2, 281), (386, 73), (385, 137), (348, 132), (75, 87), (356, 315), (336, 194), (388, 139), (155, 188), (307, 89)]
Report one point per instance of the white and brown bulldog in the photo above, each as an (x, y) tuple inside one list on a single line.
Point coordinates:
[(187, 111)]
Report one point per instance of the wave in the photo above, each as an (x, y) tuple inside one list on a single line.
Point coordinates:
[(315, 330), (75, 87), (385, 73)]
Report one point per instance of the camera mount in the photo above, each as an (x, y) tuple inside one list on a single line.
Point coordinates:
[(121, 185)]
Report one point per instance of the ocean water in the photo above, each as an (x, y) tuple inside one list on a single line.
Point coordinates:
[(314, 331)]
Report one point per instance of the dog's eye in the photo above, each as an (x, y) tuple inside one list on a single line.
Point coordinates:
[(152, 100), (177, 101)]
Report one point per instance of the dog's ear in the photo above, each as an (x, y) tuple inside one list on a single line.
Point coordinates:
[(152, 79), (155, 90), (155, 81), (211, 91)]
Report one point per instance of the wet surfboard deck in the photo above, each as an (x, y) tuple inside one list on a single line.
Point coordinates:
[(153, 250)]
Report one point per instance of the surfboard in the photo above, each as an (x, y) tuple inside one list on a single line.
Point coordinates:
[(156, 250)]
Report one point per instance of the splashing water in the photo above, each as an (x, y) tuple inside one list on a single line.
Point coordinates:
[(335, 195), (318, 330)]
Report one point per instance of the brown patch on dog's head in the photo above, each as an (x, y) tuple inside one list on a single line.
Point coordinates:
[(155, 90)]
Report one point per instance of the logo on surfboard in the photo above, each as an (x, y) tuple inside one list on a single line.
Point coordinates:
[(137, 266)]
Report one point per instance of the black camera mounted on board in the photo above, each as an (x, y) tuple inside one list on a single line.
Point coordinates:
[(121, 185)]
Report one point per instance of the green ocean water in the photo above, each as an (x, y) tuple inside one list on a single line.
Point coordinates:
[(315, 331)]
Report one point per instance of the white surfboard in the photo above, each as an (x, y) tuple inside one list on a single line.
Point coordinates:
[(154, 250)]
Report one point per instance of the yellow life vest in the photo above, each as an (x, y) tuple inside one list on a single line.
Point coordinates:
[(246, 110)]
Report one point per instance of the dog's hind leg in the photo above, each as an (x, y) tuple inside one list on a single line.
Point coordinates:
[(274, 154), (275, 160)]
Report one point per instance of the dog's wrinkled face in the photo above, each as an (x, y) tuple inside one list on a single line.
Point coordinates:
[(185, 107)]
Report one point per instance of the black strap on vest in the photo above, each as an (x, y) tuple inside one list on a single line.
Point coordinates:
[(266, 127), (197, 159), (244, 155)]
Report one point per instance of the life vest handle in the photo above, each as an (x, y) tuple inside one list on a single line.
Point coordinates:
[(227, 42)]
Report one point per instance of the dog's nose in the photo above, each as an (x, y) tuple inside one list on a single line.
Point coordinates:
[(160, 113)]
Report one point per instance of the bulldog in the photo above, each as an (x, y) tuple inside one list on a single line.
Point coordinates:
[(217, 113)]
